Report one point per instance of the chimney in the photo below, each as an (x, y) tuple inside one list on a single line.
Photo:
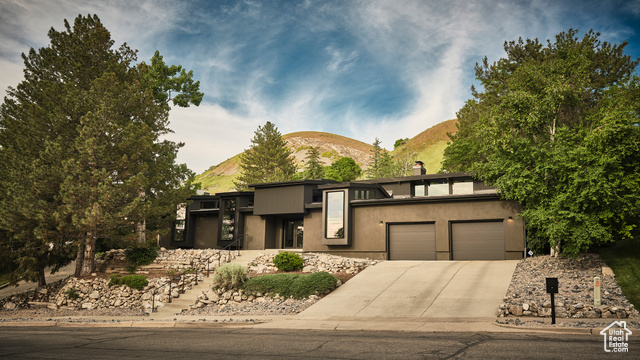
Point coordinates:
[(418, 168)]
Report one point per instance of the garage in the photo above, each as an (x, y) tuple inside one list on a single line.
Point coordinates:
[(412, 241), (478, 240)]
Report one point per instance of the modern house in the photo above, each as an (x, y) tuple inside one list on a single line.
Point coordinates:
[(420, 217)]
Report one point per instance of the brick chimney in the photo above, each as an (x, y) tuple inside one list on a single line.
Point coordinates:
[(418, 168)]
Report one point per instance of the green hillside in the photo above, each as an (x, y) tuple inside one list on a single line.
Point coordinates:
[(428, 147)]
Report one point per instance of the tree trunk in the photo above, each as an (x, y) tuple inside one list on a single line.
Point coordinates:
[(141, 229), (79, 261), (89, 263), (556, 250), (42, 281)]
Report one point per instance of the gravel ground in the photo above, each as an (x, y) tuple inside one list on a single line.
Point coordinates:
[(264, 306)]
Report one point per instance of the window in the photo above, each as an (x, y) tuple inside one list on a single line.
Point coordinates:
[(228, 220), (463, 187), (178, 229), (334, 226), (362, 194), (437, 188), (419, 190)]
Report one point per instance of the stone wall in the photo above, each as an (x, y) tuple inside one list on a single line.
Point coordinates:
[(527, 294)]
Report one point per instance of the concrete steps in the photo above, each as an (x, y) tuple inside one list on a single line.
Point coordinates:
[(183, 302), (186, 300)]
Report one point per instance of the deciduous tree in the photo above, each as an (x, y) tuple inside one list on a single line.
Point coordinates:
[(555, 127), (343, 169)]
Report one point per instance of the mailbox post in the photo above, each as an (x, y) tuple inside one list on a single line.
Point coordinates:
[(552, 288)]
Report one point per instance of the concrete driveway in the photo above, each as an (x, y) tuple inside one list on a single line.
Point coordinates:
[(420, 289)]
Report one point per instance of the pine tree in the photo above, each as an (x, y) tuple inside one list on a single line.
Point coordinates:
[(373, 171), (314, 169), (79, 143), (268, 159)]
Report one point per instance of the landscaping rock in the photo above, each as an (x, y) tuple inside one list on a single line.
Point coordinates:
[(575, 293)]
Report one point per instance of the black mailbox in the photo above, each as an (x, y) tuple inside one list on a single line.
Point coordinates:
[(552, 285)]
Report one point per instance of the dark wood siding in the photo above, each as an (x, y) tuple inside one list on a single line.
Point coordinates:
[(206, 232)]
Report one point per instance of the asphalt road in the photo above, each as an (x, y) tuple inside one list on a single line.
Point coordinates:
[(235, 343)]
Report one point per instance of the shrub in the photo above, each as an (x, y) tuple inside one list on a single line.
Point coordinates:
[(137, 282), (137, 256), (72, 293), (287, 261), (230, 276), (286, 285)]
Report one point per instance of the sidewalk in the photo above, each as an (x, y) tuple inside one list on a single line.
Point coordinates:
[(480, 325)]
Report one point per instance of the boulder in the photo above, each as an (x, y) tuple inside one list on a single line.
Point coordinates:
[(516, 310)]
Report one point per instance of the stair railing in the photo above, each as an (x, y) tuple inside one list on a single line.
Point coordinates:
[(194, 266)]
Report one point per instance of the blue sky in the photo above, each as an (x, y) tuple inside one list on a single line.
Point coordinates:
[(362, 69)]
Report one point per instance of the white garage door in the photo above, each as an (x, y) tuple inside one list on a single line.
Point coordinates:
[(478, 241), (412, 242)]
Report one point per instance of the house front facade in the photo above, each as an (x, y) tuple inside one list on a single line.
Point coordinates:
[(420, 217)]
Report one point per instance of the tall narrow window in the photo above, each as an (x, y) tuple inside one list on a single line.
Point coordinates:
[(335, 215), (228, 220), (178, 231)]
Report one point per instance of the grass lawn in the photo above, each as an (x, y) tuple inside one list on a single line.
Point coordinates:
[(624, 259)]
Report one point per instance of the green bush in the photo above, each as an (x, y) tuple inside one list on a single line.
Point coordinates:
[(286, 285), (72, 293), (287, 261), (230, 276), (137, 256), (137, 282)]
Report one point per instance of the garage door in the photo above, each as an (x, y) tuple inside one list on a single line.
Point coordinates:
[(478, 241), (412, 242)]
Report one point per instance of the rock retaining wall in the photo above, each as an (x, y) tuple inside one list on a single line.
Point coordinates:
[(527, 294), (314, 262)]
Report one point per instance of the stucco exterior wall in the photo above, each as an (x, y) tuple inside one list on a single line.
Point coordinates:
[(370, 235), (255, 232)]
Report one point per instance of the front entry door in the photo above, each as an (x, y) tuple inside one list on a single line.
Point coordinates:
[(292, 234)]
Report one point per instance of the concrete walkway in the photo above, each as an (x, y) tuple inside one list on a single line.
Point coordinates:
[(419, 289)]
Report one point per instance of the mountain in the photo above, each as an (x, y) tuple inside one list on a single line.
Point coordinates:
[(428, 146)]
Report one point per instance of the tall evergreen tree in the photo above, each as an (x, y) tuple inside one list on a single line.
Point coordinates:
[(373, 171), (314, 169), (555, 127), (268, 159), (79, 140)]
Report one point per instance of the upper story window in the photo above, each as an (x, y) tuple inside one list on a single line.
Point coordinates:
[(438, 188), (419, 190), (363, 194), (463, 187)]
